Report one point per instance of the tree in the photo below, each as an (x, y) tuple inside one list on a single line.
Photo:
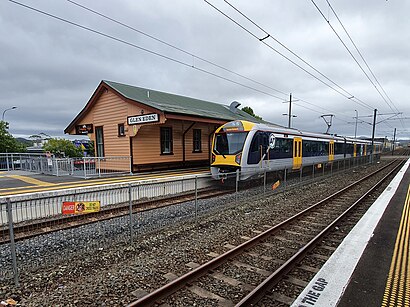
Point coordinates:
[(7, 142), (250, 112), (62, 148)]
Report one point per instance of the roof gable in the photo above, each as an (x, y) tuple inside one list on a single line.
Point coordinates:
[(172, 103)]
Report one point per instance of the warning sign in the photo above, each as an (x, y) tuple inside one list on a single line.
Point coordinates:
[(275, 185), (75, 207)]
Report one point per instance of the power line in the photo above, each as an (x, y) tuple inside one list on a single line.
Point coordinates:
[(262, 40)]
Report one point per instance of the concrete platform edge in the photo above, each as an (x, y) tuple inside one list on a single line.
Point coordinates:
[(327, 286)]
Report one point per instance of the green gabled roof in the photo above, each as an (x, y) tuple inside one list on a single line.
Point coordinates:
[(172, 103)]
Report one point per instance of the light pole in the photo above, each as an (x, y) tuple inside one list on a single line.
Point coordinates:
[(12, 108), (355, 127)]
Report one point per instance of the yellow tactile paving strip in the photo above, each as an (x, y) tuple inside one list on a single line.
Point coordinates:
[(41, 186), (30, 180), (397, 291)]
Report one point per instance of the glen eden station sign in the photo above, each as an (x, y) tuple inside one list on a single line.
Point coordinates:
[(143, 119)]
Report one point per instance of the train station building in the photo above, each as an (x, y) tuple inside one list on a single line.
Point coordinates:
[(157, 130)]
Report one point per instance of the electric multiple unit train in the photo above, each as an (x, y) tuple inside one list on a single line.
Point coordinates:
[(253, 148)]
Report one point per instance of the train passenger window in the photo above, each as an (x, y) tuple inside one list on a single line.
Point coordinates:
[(166, 140), (197, 140)]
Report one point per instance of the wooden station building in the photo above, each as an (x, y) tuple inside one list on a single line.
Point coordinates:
[(157, 130)]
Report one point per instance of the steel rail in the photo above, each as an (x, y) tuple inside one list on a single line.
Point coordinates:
[(259, 292), (180, 282)]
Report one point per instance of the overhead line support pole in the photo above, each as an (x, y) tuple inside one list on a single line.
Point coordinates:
[(290, 109), (374, 128)]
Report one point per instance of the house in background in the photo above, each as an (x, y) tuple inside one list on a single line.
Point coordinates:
[(157, 130)]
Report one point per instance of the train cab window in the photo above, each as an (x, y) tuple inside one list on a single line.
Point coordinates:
[(229, 143), (166, 141), (197, 140)]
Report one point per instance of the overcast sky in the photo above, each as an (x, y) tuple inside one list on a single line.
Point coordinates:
[(49, 68)]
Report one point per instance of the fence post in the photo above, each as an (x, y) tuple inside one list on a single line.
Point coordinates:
[(236, 185), (85, 172), (300, 173), (12, 162), (99, 167), (285, 179), (56, 160), (264, 182), (130, 208), (7, 160), (130, 165), (12, 243), (313, 173), (196, 197)]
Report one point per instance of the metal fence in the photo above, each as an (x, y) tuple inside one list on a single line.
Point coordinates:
[(84, 167), (140, 215)]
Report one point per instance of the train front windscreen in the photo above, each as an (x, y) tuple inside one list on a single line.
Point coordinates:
[(229, 143)]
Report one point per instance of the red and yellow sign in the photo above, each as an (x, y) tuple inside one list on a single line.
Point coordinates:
[(275, 185), (75, 207)]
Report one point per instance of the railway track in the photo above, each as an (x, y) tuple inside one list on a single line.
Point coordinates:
[(30, 229), (279, 259)]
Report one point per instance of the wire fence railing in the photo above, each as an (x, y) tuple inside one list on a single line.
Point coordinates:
[(144, 208), (83, 167)]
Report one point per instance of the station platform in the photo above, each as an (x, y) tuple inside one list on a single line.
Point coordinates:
[(372, 265)]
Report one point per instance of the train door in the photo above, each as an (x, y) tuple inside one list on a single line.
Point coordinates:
[(297, 153), (365, 149), (331, 150), (354, 150)]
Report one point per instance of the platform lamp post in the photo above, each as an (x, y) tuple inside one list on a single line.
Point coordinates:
[(4, 112)]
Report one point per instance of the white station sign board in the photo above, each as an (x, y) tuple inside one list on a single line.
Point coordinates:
[(143, 119)]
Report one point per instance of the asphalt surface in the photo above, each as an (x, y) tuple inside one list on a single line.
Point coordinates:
[(368, 282), (20, 182)]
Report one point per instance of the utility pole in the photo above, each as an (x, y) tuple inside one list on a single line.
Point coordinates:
[(374, 128), (394, 141)]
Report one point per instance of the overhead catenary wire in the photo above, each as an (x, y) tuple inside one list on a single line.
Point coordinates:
[(263, 41), (362, 57), (138, 47), (142, 48), (105, 16), (173, 46), (351, 54)]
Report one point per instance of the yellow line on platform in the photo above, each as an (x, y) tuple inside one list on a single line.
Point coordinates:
[(398, 281), (30, 180), (78, 184)]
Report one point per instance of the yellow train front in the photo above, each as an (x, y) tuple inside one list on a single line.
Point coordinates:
[(255, 148)]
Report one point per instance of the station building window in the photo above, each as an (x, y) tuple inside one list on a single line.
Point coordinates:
[(197, 140), (99, 139), (166, 140), (121, 130)]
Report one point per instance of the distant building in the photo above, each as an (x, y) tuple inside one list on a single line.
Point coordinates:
[(156, 129)]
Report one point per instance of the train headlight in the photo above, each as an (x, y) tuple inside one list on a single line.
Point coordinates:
[(213, 158), (238, 158)]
